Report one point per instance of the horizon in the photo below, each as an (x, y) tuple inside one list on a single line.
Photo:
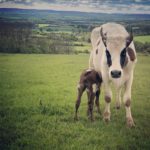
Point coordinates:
[(90, 6), (73, 11)]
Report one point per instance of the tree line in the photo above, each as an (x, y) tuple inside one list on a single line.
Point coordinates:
[(19, 37)]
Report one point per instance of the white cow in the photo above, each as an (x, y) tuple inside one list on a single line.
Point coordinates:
[(114, 56)]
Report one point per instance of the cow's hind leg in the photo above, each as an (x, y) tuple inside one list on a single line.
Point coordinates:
[(127, 102), (118, 98), (81, 89)]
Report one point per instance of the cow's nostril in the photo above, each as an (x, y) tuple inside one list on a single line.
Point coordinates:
[(115, 74), (119, 73)]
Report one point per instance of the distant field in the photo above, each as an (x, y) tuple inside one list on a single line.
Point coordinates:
[(143, 39), (37, 96), (87, 46), (43, 25), (82, 46)]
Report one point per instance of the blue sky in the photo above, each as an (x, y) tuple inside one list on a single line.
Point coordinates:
[(104, 6)]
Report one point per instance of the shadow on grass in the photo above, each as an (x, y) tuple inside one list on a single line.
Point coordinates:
[(8, 128)]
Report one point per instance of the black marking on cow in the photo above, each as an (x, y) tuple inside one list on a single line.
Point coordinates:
[(96, 51), (123, 58), (108, 56)]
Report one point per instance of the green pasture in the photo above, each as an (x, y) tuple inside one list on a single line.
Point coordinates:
[(37, 97), (82, 46), (143, 39)]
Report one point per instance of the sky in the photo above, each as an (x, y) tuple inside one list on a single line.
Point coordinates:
[(102, 6)]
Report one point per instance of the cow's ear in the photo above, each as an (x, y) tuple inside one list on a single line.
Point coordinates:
[(129, 39), (104, 36), (131, 53)]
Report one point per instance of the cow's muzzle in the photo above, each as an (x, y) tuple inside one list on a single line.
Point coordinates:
[(116, 74)]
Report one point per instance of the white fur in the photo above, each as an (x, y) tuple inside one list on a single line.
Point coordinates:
[(78, 86), (116, 40), (88, 70), (94, 86)]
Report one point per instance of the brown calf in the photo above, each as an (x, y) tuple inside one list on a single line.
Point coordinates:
[(88, 79)]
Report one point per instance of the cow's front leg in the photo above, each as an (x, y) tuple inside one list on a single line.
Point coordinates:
[(127, 102), (108, 97), (118, 98)]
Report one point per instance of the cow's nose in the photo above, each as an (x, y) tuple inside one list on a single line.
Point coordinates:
[(115, 74)]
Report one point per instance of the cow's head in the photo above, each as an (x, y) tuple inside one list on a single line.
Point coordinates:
[(116, 53)]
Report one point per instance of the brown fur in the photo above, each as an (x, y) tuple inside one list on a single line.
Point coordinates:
[(90, 77), (87, 79), (128, 103), (131, 54), (107, 99)]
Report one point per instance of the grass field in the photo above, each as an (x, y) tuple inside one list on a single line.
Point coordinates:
[(143, 39), (37, 96)]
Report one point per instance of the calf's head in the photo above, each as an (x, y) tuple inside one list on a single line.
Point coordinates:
[(116, 53)]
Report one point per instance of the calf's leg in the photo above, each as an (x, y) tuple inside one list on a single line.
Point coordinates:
[(88, 97), (97, 101), (81, 89), (90, 103)]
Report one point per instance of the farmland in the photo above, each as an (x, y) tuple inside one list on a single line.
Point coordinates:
[(143, 39), (37, 99), (61, 32)]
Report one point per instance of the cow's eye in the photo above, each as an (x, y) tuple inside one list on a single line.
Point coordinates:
[(123, 57), (109, 62)]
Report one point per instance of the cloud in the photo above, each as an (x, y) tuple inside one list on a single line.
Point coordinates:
[(107, 6)]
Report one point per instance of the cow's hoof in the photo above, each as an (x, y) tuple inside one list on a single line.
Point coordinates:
[(106, 116), (130, 123), (117, 107)]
